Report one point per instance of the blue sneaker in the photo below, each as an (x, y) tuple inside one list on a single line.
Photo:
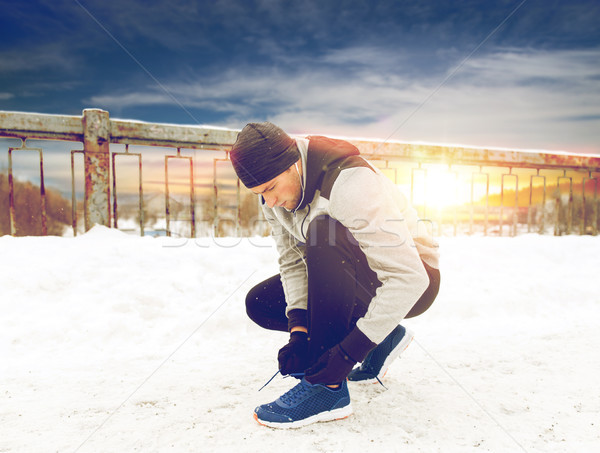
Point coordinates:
[(304, 404), (377, 362)]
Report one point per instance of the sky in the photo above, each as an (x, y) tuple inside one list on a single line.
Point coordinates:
[(508, 73)]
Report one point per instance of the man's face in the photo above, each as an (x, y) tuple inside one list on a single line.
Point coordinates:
[(284, 190)]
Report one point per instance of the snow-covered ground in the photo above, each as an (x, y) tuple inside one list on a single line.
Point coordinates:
[(112, 342)]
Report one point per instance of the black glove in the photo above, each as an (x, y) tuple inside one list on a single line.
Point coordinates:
[(332, 367), (293, 357)]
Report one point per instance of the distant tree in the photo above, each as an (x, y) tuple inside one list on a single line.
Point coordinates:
[(252, 220), (248, 212), (28, 210)]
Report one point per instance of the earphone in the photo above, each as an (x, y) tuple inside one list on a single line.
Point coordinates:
[(299, 176)]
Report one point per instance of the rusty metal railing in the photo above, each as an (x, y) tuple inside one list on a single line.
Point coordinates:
[(412, 165)]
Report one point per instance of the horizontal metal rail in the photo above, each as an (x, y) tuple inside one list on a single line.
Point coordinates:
[(70, 128), (456, 155)]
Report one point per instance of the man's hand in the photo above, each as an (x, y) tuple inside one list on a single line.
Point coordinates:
[(293, 357), (332, 367)]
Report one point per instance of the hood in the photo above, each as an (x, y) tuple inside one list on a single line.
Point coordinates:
[(326, 157)]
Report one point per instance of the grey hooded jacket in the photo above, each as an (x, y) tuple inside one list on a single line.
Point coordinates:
[(338, 182)]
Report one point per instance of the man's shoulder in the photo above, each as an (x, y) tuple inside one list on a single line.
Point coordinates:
[(351, 181), (330, 157)]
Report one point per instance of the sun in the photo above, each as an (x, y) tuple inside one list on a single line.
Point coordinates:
[(443, 189), (438, 188)]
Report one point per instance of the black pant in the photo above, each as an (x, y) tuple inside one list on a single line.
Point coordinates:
[(340, 288)]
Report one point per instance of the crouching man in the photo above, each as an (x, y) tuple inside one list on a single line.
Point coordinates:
[(354, 262)]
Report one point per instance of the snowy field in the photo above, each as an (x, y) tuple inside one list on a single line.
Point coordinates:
[(116, 343)]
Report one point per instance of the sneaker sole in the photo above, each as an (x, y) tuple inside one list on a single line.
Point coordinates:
[(399, 349), (336, 414)]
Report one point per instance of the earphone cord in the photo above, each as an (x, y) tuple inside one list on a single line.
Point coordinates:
[(301, 185)]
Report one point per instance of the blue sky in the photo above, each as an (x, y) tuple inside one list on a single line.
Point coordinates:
[(507, 73)]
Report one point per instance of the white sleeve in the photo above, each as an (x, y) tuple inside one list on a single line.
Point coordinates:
[(292, 266)]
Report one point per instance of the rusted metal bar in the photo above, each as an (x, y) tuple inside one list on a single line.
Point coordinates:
[(455, 155), (140, 191), (141, 207), (172, 136), (96, 140), (43, 196), (192, 195), (513, 231), (569, 214), (11, 191), (238, 200), (167, 199), (216, 217), (115, 216), (69, 128), (63, 127), (73, 193), (594, 228), (11, 196), (41, 126), (529, 213), (192, 199), (487, 200)]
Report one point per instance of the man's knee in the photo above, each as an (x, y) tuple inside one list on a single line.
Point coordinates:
[(254, 306), (430, 294)]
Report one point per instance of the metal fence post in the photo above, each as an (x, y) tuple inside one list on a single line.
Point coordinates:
[(96, 140)]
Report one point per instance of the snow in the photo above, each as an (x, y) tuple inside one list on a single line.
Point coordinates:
[(112, 342)]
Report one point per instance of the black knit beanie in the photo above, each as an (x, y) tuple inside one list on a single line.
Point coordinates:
[(261, 152)]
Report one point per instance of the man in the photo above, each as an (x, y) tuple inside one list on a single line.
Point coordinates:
[(354, 261)]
